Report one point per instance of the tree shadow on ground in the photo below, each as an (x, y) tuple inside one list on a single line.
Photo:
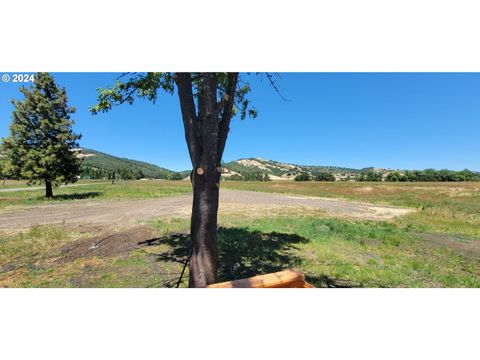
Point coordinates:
[(241, 252), (324, 281), (244, 253), (77, 196)]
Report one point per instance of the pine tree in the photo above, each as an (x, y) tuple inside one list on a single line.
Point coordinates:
[(41, 137)]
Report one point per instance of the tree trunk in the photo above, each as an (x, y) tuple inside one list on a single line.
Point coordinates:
[(206, 177), (206, 132), (48, 189), (203, 260)]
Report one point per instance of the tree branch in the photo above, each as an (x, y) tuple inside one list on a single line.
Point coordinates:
[(189, 115), (226, 114), (125, 74), (272, 83), (128, 96)]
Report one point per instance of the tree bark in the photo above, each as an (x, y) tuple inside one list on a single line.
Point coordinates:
[(203, 259), (206, 131), (48, 189)]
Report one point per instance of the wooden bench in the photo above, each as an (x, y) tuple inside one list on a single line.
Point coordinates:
[(283, 279)]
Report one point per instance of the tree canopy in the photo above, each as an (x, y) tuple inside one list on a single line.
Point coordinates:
[(147, 86)]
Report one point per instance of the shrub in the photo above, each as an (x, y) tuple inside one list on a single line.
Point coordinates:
[(324, 176), (175, 176), (302, 177)]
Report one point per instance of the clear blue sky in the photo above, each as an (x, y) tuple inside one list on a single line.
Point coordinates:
[(395, 120)]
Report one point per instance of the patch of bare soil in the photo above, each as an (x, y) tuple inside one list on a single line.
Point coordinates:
[(469, 247), (364, 189), (118, 244)]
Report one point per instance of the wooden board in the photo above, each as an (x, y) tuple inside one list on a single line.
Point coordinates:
[(283, 279)]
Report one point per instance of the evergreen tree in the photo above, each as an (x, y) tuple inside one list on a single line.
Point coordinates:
[(41, 138)]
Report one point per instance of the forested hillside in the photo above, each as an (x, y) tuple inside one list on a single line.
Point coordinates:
[(98, 165)]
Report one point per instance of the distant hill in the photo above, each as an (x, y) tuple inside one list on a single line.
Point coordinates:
[(278, 170), (96, 164)]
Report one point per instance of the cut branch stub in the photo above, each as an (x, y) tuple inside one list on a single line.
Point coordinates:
[(200, 171)]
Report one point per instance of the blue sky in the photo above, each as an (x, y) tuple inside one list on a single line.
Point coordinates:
[(394, 120)]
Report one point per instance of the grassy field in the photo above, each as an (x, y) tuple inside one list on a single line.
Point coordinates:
[(444, 207), (437, 246), (12, 184), (96, 191)]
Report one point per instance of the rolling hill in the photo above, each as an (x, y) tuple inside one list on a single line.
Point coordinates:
[(99, 165), (96, 164), (278, 170)]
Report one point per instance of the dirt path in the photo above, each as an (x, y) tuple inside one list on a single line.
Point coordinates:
[(124, 212)]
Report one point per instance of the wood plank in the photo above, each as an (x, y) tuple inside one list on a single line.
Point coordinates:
[(283, 279)]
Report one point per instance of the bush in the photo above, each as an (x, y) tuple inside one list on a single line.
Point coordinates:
[(175, 176), (302, 177), (249, 177), (324, 176), (368, 176), (234, 177)]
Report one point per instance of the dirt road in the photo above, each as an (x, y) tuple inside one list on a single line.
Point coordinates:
[(124, 212)]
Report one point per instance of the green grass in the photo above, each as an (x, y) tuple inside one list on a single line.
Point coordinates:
[(35, 258), (30, 251), (11, 184), (370, 254), (95, 191), (443, 207), (331, 252)]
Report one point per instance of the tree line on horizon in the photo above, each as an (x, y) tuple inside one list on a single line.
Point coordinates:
[(427, 175), (95, 173)]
